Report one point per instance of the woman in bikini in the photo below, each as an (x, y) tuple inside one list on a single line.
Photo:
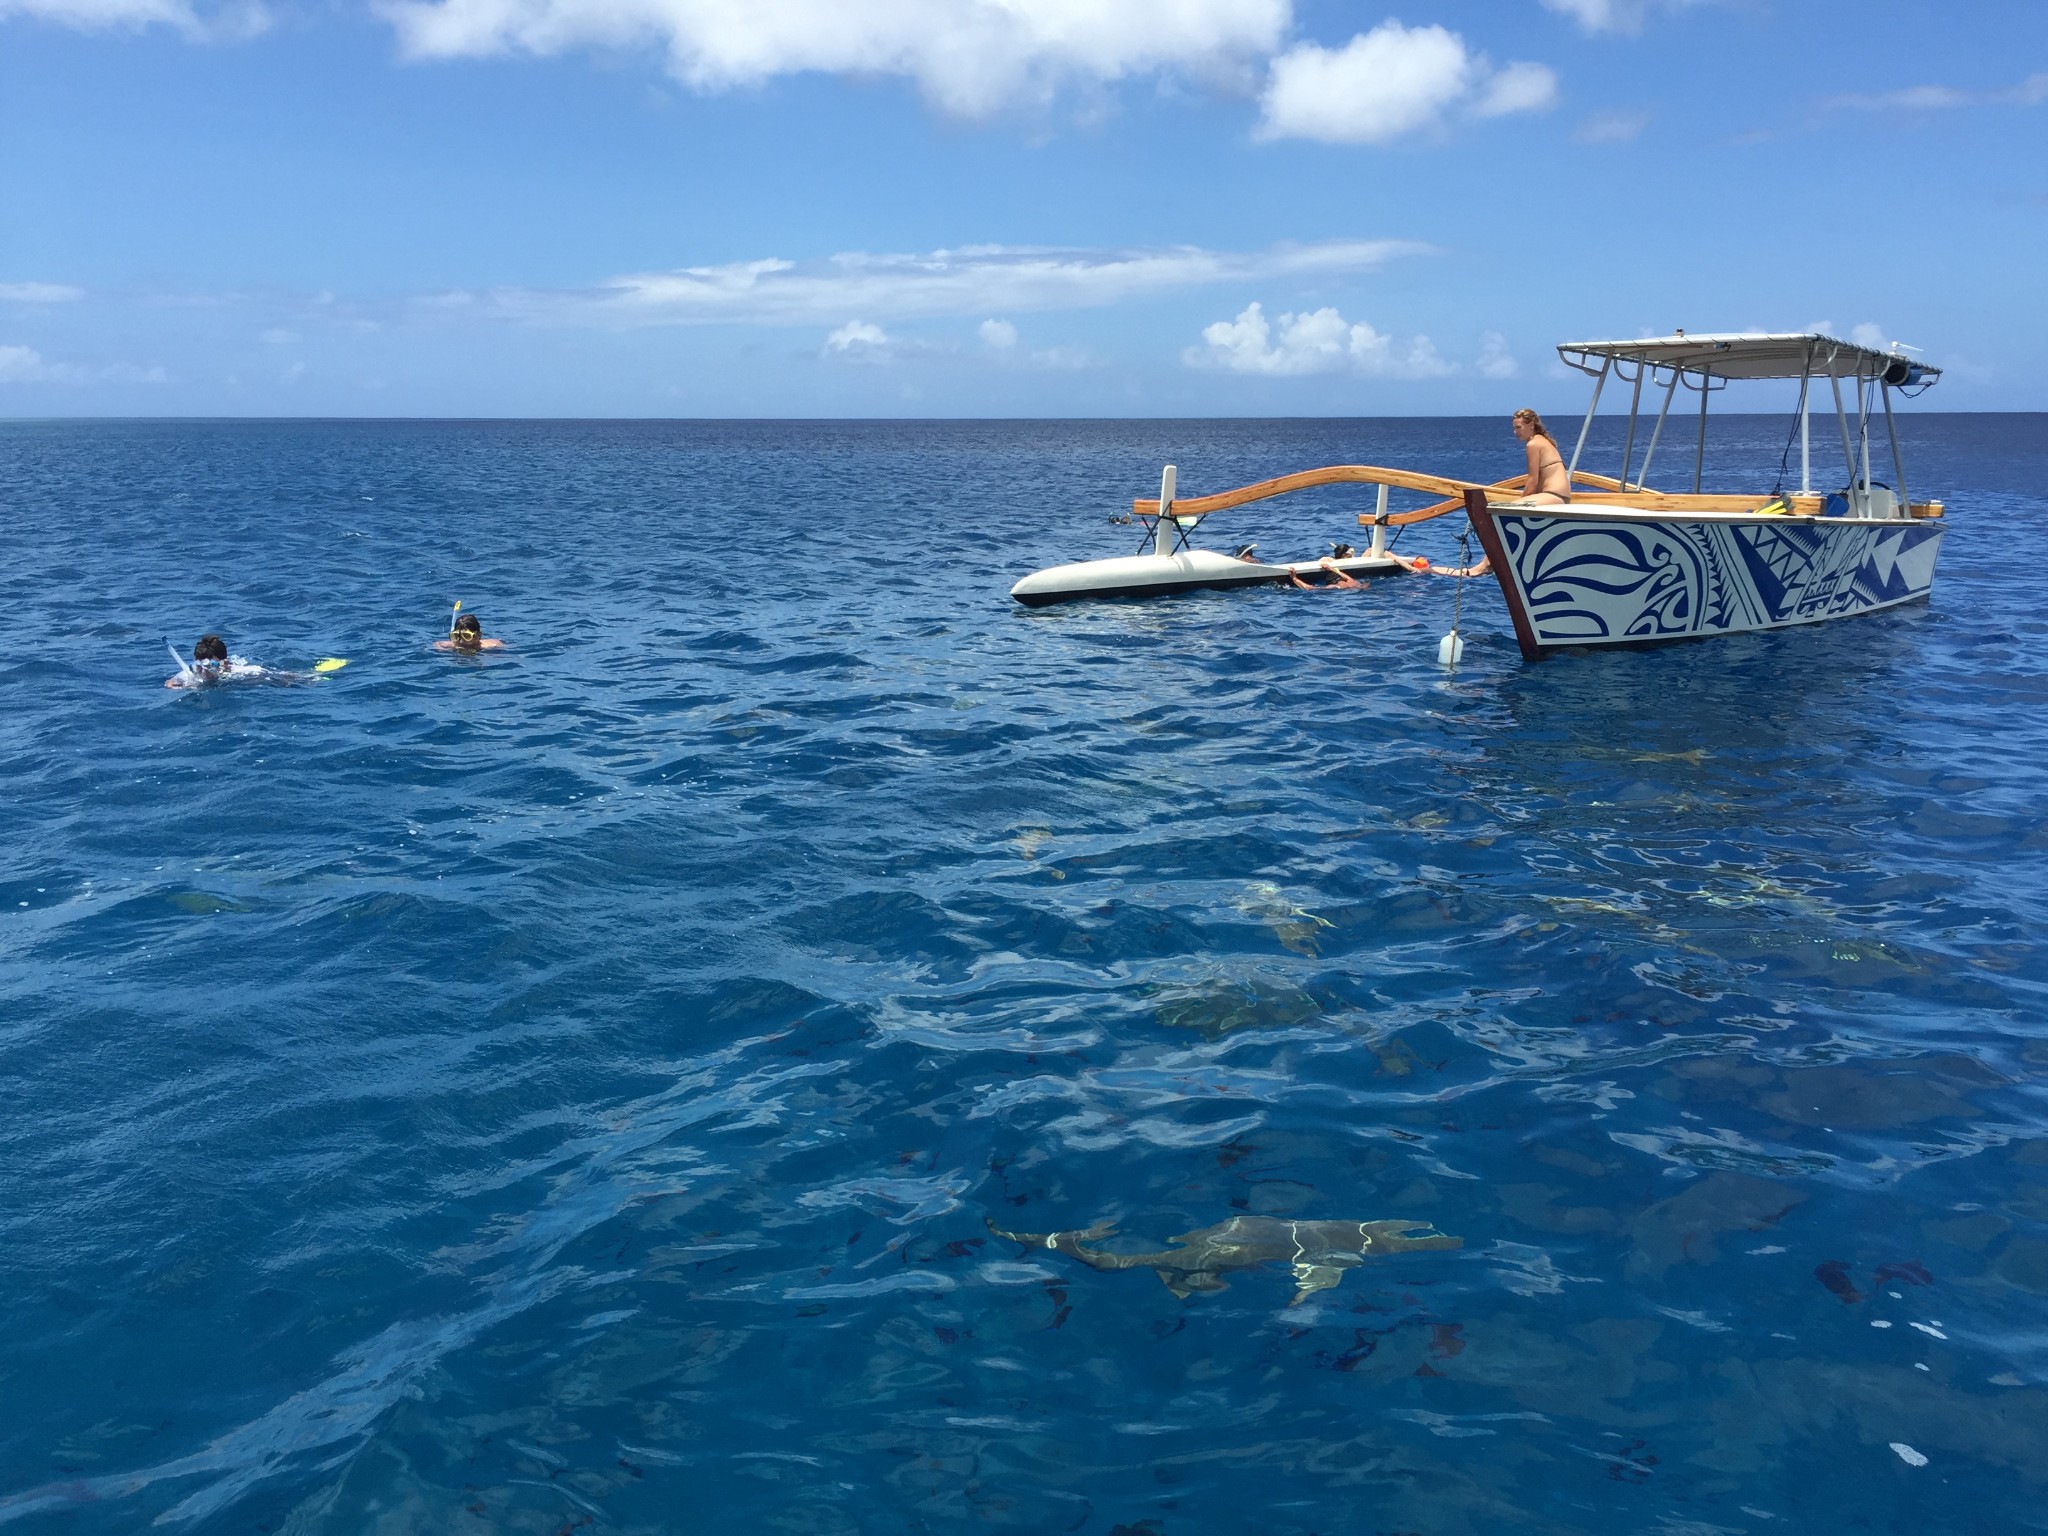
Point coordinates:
[(1549, 483)]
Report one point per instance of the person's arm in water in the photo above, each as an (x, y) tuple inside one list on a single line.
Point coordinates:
[(1483, 568), (1338, 580)]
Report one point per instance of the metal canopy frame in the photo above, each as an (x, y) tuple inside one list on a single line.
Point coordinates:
[(1753, 355), (1710, 363)]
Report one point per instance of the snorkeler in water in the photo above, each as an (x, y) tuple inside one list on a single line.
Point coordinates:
[(466, 634), (211, 664), (1337, 583)]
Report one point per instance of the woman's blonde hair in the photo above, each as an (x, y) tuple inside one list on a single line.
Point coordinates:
[(1525, 414)]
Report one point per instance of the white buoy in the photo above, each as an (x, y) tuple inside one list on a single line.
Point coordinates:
[(1451, 649)]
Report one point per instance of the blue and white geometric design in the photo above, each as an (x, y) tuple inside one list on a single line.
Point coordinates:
[(1600, 580)]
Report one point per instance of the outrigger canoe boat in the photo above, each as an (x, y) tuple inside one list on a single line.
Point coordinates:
[(1623, 564), (1173, 564)]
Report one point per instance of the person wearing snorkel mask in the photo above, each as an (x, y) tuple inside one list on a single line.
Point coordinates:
[(467, 635), (210, 664)]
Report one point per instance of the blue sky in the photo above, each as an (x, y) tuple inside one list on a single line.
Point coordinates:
[(994, 207)]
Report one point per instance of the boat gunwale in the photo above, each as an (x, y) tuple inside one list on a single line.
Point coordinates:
[(1579, 512)]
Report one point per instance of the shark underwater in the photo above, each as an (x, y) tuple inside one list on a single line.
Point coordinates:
[(1317, 1251)]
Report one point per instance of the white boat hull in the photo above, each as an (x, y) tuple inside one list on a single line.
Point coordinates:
[(1191, 570), (1616, 576)]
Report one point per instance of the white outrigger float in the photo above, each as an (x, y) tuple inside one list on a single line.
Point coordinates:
[(1175, 565), (1621, 564)]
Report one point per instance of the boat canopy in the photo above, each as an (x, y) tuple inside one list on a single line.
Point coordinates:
[(1753, 355)]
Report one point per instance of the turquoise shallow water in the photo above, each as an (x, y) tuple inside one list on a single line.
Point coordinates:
[(570, 1090)]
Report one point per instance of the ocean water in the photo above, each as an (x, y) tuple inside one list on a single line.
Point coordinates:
[(578, 1088)]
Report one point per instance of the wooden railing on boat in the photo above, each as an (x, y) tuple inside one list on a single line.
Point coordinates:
[(1599, 490)]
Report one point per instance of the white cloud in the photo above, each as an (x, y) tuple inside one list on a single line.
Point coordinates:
[(859, 339), (969, 57), (1001, 338), (1391, 81), (970, 280), (39, 293), (1521, 87), (96, 15), (1625, 16), (224, 22), (1611, 127), (2030, 92), (25, 365), (1063, 359), (1868, 334), (1495, 360), (1321, 341), (21, 364), (862, 341), (278, 336)]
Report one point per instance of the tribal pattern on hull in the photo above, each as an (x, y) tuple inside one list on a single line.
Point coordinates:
[(1588, 582)]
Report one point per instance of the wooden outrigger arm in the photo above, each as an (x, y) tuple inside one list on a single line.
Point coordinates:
[(1453, 491), (1588, 489), (1334, 474)]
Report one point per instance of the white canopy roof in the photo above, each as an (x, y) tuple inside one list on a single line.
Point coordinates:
[(1753, 356)]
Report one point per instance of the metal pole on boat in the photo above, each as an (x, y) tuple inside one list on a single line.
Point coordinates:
[(1599, 383), (1651, 452), (1699, 459), (1841, 416), (1805, 425), (1898, 464), (1629, 443), (1863, 431), (1162, 529), (1379, 524)]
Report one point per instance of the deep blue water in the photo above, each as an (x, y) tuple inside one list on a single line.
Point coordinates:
[(567, 1090)]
